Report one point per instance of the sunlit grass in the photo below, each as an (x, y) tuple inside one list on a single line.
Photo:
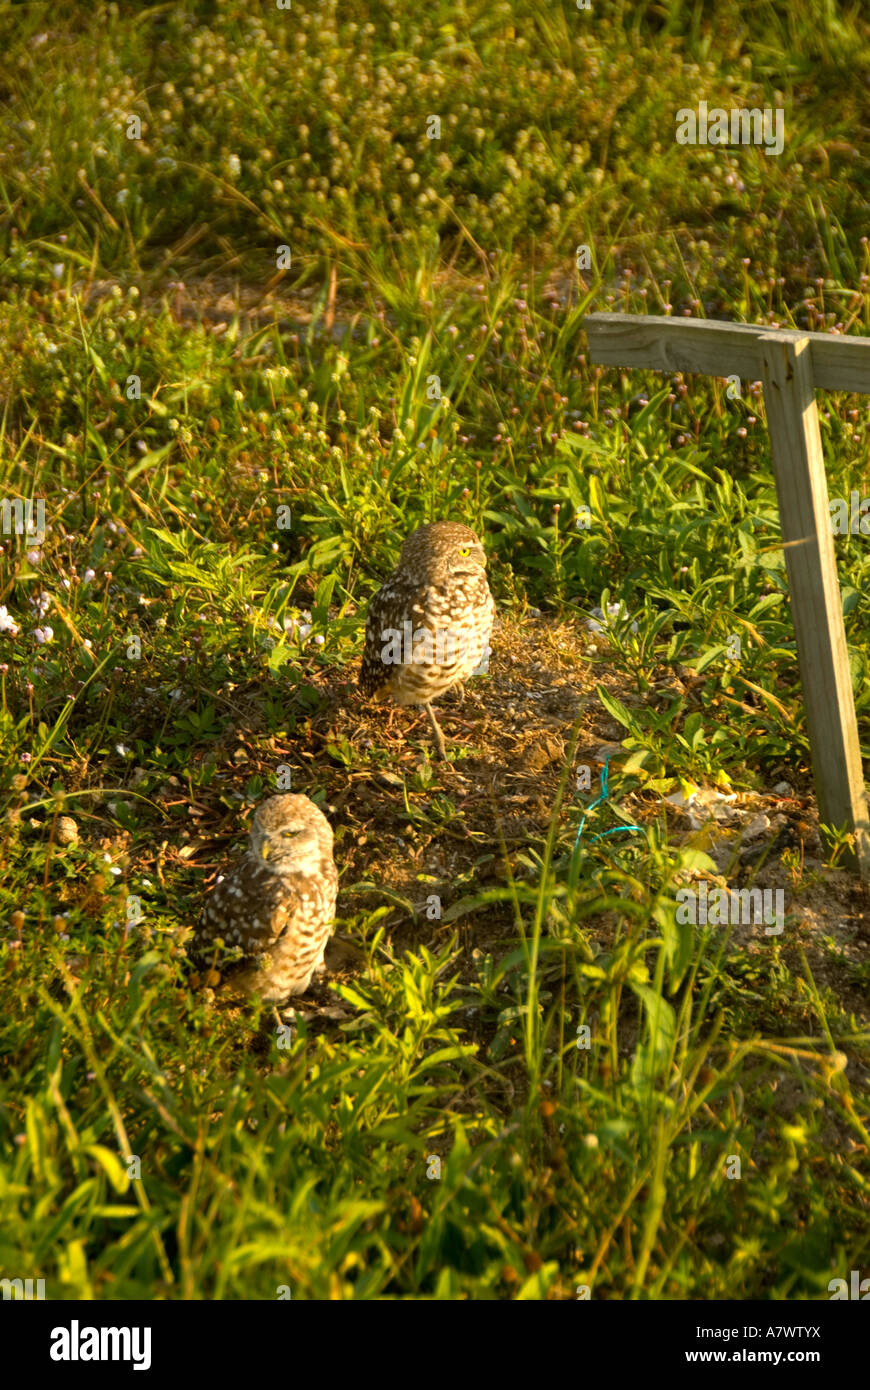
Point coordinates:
[(224, 492)]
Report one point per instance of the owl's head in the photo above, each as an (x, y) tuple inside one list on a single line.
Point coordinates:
[(290, 835), (451, 545)]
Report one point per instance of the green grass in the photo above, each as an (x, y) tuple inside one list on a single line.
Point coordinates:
[(263, 478)]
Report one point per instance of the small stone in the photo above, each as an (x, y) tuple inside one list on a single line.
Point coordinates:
[(784, 789), (389, 779), (607, 750), (66, 831), (756, 827)]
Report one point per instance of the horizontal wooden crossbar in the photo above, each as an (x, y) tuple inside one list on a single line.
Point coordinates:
[(839, 363)]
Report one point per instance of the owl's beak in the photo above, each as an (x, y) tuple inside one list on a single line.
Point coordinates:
[(264, 850)]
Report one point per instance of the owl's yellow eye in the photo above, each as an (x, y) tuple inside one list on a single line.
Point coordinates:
[(465, 550)]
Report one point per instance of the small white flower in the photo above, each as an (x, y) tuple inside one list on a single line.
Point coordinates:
[(57, 270), (34, 556), (43, 634), (616, 612), (8, 623), (121, 750), (234, 166), (88, 576)]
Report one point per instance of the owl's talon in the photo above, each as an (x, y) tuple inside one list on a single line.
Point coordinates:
[(437, 734)]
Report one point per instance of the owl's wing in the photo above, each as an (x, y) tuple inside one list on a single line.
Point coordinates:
[(440, 608), (399, 601), (307, 902), (252, 907)]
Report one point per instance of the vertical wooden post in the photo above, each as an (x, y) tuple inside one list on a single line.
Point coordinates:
[(792, 365), (802, 492)]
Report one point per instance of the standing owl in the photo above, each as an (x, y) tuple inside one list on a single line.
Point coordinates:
[(428, 627), (277, 903)]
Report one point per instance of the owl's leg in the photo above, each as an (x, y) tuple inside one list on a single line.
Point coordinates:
[(436, 733), (459, 687)]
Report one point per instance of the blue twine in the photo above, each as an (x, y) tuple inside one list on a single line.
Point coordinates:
[(602, 797)]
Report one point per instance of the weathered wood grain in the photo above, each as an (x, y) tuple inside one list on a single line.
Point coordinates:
[(714, 348)]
